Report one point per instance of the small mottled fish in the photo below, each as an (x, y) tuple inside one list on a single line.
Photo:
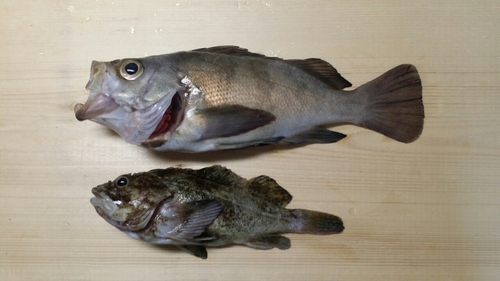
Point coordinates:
[(226, 97), (192, 209)]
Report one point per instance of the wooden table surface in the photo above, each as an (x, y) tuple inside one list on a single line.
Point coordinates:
[(428, 210)]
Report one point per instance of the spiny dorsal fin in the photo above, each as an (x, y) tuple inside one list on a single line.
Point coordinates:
[(262, 187), (220, 175), (269, 190), (318, 68), (232, 50)]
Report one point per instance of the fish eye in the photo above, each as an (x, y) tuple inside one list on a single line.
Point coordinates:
[(131, 69), (121, 181)]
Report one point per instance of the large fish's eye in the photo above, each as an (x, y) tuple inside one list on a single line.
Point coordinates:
[(121, 181), (131, 69)]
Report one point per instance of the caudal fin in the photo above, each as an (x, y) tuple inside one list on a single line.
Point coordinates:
[(313, 222), (394, 104)]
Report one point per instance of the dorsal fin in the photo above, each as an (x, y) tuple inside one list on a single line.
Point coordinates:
[(221, 175), (318, 68), (262, 187), (323, 71), (232, 50), (269, 190)]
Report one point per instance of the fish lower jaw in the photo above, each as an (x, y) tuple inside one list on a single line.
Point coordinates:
[(105, 208), (119, 219)]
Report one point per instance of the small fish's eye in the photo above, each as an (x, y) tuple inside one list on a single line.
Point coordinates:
[(131, 69), (121, 181)]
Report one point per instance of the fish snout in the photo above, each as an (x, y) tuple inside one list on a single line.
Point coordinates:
[(96, 193), (102, 83), (97, 70), (96, 201)]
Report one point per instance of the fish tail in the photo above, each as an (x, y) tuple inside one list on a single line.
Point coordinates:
[(313, 222), (394, 104)]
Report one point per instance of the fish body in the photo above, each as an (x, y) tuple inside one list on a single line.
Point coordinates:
[(226, 97), (213, 207)]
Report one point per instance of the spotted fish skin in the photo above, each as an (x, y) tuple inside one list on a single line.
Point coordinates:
[(212, 207)]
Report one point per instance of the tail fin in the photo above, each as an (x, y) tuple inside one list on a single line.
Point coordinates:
[(394, 107), (313, 222)]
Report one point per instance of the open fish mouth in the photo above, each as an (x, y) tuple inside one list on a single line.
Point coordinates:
[(106, 208), (133, 125)]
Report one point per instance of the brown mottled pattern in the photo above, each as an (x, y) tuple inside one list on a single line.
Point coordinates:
[(243, 216), (251, 209)]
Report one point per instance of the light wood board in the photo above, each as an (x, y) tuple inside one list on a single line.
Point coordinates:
[(428, 210)]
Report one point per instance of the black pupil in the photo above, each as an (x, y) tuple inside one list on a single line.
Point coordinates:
[(122, 182), (131, 68)]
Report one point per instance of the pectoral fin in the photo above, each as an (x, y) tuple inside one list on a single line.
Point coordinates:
[(232, 120), (198, 215), (195, 250), (315, 135), (262, 142)]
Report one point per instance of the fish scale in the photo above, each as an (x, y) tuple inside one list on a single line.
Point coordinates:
[(210, 207), (232, 98)]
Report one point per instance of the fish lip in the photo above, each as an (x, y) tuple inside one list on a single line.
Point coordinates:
[(97, 104), (102, 83), (161, 133), (99, 198), (96, 193)]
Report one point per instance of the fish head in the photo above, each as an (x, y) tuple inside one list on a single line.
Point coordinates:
[(130, 201), (137, 98)]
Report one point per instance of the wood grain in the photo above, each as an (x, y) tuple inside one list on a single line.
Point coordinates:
[(422, 211)]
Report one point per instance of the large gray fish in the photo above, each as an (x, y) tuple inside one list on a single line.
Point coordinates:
[(209, 207), (226, 97)]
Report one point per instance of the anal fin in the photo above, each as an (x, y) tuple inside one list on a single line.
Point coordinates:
[(270, 241), (195, 250)]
